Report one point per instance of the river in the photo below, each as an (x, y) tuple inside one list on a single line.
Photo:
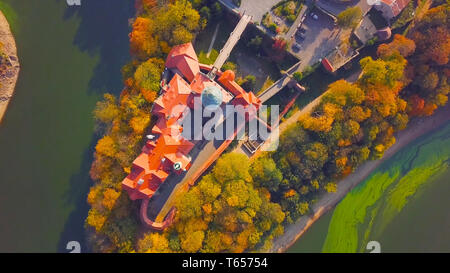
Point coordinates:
[(403, 205), (69, 57)]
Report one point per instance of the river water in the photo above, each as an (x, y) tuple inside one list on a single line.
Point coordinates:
[(69, 57), (403, 205)]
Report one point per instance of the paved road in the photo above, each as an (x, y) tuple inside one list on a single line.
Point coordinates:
[(294, 26)]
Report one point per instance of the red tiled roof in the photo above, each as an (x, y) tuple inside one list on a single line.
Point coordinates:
[(183, 58), (327, 65), (396, 5), (174, 100)]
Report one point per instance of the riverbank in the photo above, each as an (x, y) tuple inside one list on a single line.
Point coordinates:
[(416, 128), (9, 67)]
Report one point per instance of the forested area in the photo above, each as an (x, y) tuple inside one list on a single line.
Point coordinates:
[(356, 122), (241, 205)]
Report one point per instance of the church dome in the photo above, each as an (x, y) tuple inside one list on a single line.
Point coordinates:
[(211, 97)]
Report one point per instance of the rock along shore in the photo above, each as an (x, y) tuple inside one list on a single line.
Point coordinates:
[(9, 65)]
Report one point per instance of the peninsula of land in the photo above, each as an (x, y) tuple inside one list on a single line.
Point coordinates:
[(9, 65), (415, 129)]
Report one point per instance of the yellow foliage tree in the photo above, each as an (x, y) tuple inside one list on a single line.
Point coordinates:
[(106, 146)]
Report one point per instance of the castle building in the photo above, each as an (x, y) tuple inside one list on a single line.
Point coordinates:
[(166, 152)]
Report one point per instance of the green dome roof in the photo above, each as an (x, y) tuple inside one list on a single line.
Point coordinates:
[(211, 97)]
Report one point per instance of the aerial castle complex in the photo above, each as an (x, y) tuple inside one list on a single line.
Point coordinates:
[(167, 151)]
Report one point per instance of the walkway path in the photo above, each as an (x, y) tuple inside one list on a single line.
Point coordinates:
[(229, 45), (301, 16), (280, 84)]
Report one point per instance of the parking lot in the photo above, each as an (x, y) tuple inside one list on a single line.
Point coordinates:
[(319, 37), (255, 8)]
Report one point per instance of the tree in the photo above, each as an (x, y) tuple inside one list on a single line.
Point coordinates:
[(400, 44), (229, 66), (298, 76), (249, 83), (231, 167), (350, 17), (255, 43), (106, 146), (382, 72), (265, 172), (343, 93), (278, 49), (193, 242), (110, 197), (303, 208), (153, 243), (434, 24), (95, 219), (331, 187), (205, 12), (106, 110), (358, 114), (176, 23), (140, 122), (148, 74), (143, 43)]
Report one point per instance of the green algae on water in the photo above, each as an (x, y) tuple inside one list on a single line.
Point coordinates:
[(368, 209)]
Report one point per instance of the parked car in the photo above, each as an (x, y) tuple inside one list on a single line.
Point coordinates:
[(300, 35), (302, 30), (296, 47)]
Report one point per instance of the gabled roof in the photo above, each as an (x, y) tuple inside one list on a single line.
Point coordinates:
[(328, 66), (184, 59), (246, 99), (186, 49), (174, 100), (199, 83)]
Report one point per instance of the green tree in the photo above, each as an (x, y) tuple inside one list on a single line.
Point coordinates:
[(350, 17), (176, 23), (148, 74), (265, 173), (298, 76)]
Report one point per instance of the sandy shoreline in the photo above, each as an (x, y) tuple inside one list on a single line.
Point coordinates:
[(326, 202), (8, 78)]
